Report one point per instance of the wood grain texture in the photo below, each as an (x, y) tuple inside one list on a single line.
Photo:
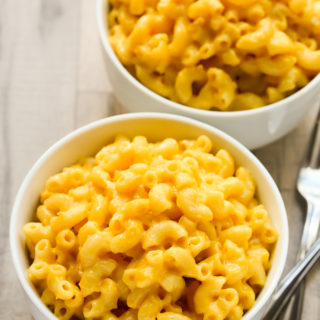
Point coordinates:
[(52, 80)]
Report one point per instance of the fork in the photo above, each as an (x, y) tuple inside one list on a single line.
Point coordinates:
[(308, 185), (291, 282)]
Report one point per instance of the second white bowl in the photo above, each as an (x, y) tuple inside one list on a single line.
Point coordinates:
[(254, 128)]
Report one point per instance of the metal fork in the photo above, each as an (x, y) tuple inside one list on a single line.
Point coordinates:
[(308, 185), (291, 282)]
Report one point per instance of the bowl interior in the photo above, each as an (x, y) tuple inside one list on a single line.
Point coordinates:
[(89, 139)]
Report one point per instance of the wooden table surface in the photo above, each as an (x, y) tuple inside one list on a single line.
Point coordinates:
[(52, 80)]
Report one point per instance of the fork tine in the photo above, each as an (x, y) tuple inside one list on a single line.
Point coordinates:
[(313, 156)]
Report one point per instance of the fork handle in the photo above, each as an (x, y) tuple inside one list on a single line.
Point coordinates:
[(297, 302), (290, 283), (309, 235)]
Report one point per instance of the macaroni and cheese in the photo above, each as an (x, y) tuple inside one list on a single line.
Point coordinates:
[(218, 54), (146, 231)]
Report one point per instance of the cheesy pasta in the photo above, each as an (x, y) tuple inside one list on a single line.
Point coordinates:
[(151, 231), (218, 54)]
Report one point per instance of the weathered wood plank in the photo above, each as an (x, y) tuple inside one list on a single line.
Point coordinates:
[(38, 80), (92, 75), (92, 106)]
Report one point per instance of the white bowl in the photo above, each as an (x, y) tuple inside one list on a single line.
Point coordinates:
[(89, 139), (254, 128)]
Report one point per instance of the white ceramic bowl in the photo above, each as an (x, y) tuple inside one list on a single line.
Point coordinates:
[(89, 139), (254, 128)]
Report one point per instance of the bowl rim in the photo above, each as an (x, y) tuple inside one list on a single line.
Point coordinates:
[(14, 239), (191, 111)]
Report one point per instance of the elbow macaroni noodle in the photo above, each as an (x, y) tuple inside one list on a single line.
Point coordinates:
[(146, 231), (218, 54)]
